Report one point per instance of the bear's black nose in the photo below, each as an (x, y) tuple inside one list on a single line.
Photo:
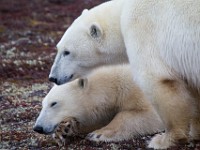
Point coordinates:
[(38, 129), (52, 79)]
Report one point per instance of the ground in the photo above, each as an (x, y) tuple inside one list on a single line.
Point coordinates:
[(29, 31)]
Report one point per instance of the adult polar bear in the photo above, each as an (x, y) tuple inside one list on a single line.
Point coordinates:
[(162, 41)]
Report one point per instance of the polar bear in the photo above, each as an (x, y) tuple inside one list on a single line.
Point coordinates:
[(107, 103), (160, 39)]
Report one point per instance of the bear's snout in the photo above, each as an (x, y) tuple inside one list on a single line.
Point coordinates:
[(60, 81), (44, 130), (38, 129), (52, 79)]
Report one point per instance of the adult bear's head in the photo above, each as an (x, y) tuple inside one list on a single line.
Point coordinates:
[(94, 39)]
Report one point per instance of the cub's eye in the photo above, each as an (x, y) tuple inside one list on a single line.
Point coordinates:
[(66, 53), (53, 104)]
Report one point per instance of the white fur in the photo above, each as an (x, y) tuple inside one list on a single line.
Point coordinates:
[(161, 39)]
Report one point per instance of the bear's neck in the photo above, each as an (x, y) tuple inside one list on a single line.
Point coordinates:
[(113, 47), (119, 55)]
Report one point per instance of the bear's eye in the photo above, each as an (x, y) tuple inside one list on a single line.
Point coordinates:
[(66, 53), (53, 104), (81, 83)]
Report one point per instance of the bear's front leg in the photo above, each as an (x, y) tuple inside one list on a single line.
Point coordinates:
[(128, 124), (195, 121), (173, 103), (195, 127), (68, 127)]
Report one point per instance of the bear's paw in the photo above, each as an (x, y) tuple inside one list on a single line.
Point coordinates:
[(68, 127), (103, 135)]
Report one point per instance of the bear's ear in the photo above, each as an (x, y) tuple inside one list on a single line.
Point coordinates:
[(84, 11), (95, 30), (82, 82)]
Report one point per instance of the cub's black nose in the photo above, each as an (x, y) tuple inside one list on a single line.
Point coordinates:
[(52, 79), (38, 129)]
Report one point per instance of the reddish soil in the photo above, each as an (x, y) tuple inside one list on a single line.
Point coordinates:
[(29, 32)]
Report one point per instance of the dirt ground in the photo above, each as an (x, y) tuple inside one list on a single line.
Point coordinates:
[(29, 31)]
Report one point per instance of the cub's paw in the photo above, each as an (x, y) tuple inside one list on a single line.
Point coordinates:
[(66, 128), (104, 135)]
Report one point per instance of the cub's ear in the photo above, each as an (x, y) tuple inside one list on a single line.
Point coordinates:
[(82, 82), (95, 30), (84, 11)]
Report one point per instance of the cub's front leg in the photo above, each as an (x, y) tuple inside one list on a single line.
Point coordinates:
[(128, 124)]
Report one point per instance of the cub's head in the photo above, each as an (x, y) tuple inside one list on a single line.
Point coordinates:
[(94, 39), (60, 103)]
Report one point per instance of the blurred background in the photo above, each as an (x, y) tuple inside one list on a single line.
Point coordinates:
[(29, 32)]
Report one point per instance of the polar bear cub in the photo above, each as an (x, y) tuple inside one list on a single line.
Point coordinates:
[(160, 38), (107, 103)]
